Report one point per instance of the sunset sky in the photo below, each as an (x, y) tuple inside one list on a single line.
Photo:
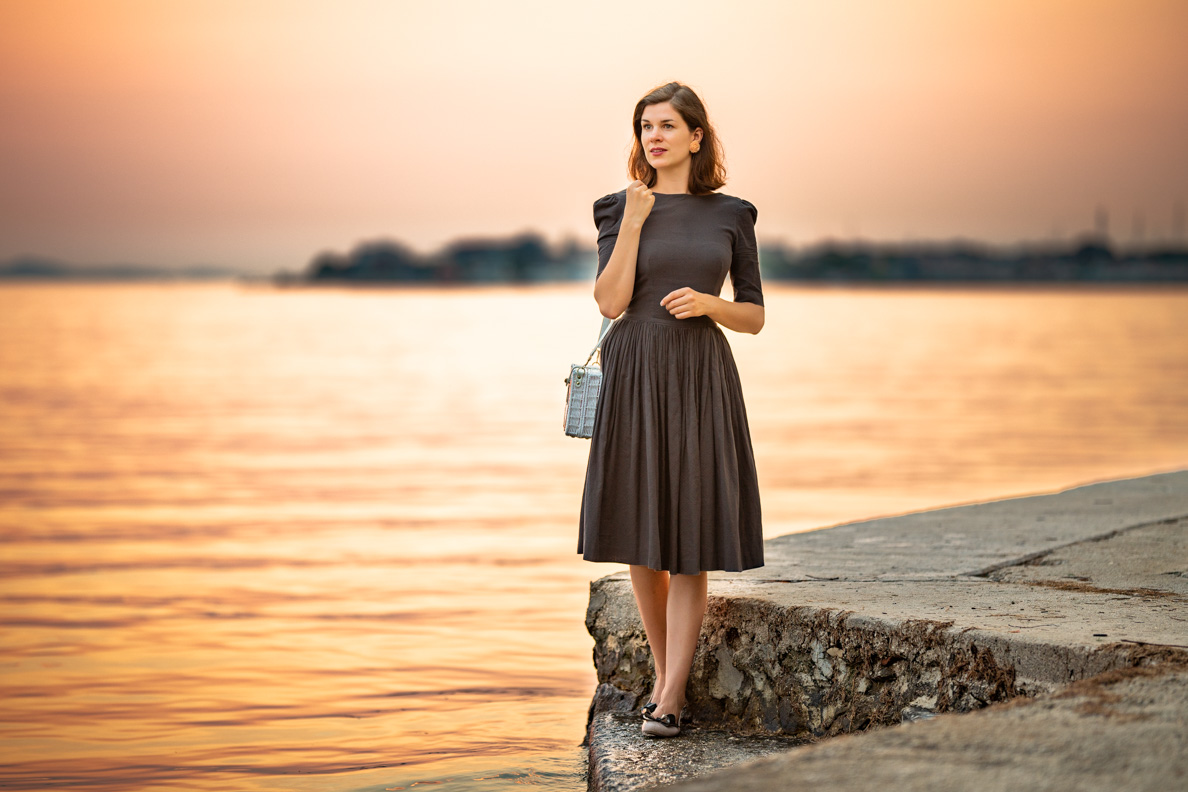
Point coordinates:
[(255, 133)]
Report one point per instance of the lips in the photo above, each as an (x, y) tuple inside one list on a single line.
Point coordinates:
[(658, 150)]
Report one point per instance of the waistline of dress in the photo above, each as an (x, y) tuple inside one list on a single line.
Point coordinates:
[(693, 322)]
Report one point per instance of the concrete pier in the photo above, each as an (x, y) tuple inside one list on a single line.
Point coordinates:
[(1063, 614)]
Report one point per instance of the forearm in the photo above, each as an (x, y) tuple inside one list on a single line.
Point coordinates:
[(742, 317), (616, 285)]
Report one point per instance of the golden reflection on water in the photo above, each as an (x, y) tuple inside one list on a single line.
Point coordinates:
[(324, 538)]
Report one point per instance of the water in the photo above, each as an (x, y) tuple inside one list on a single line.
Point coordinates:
[(324, 539)]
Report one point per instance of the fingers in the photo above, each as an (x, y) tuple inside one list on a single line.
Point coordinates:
[(639, 189), (681, 303), (639, 200), (674, 294)]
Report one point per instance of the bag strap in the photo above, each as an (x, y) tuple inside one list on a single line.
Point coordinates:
[(606, 323)]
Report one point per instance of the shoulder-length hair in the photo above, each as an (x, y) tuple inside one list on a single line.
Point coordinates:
[(708, 171)]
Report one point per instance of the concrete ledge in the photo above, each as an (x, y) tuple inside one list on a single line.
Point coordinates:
[(1124, 731), (872, 624)]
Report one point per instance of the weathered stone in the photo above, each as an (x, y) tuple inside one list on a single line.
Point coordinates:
[(1123, 729), (735, 686), (864, 651), (622, 760)]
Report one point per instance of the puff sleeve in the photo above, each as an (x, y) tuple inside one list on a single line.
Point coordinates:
[(744, 261), (608, 215)]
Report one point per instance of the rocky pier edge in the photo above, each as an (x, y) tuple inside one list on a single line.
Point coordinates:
[(1062, 616)]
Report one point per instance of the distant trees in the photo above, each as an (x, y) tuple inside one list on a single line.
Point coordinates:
[(520, 259), (1088, 259), (383, 261), (526, 258)]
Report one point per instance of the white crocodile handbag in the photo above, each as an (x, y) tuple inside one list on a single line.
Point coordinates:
[(581, 394)]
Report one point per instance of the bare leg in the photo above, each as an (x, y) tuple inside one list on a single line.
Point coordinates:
[(686, 611), (651, 595)]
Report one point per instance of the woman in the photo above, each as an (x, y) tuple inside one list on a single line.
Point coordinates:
[(671, 487)]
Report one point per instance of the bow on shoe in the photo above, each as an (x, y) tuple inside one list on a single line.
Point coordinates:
[(668, 725)]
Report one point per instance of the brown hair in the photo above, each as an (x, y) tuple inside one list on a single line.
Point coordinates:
[(708, 171)]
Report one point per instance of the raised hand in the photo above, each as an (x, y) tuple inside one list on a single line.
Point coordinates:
[(639, 204)]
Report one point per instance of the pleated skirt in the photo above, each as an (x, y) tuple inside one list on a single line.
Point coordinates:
[(671, 481)]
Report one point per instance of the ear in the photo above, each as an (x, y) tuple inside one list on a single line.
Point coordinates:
[(697, 134)]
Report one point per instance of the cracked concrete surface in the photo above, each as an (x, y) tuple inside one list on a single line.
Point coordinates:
[(860, 627), (1126, 733)]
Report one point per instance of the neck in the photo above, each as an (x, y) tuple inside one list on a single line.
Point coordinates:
[(672, 182)]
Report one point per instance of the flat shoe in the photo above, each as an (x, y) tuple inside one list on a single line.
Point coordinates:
[(664, 726)]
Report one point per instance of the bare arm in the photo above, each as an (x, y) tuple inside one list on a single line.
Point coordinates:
[(742, 317), (616, 284)]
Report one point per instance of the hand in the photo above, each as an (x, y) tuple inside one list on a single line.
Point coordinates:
[(684, 303), (639, 204)]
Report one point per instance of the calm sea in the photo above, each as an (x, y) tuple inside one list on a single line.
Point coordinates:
[(323, 539)]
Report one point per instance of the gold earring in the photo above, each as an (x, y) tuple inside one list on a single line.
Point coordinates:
[(696, 148)]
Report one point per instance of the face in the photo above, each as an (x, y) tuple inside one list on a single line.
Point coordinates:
[(665, 136)]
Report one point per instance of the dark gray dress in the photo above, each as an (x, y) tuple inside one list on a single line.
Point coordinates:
[(671, 482)]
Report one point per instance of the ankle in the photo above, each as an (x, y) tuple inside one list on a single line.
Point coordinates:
[(669, 705)]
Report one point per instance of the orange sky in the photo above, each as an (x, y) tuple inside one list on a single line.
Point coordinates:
[(255, 133)]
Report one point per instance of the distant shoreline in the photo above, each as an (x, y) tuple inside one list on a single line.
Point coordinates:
[(526, 259), (269, 282)]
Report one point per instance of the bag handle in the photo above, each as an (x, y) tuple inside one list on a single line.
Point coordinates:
[(606, 323)]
